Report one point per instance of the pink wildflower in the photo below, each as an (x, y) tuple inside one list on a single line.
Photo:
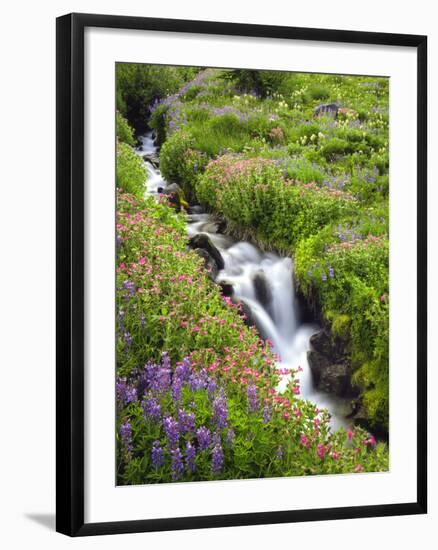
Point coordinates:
[(321, 450)]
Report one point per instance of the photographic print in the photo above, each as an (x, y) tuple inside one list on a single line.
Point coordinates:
[(252, 274)]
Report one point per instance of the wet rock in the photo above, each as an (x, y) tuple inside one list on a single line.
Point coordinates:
[(195, 209), (210, 264), (336, 379), (321, 342), (247, 315), (227, 289), (153, 159), (329, 377), (221, 226), (203, 241), (262, 288), (330, 109), (317, 363), (209, 227)]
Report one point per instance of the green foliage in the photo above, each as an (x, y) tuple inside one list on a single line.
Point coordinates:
[(318, 92), (124, 132), (180, 162), (130, 170), (261, 83), (139, 85), (252, 193), (158, 122)]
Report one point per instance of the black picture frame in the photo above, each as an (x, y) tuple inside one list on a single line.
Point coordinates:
[(70, 273)]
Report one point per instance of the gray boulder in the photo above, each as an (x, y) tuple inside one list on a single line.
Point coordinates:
[(321, 342), (330, 109), (318, 363), (336, 379), (153, 159), (195, 209), (329, 377), (210, 264), (203, 241), (226, 288), (262, 288), (246, 312)]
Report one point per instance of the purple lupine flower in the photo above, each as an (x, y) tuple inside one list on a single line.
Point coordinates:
[(280, 453), (186, 421), (190, 457), (331, 272), (128, 341), (142, 320), (151, 408), (203, 378), (231, 436), (177, 464), (131, 394), (220, 410), (194, 383), (203, 435), (324, 277), (150, 371), (157, 455), (142, 384), (171, 429), (126, 434), (267, 414), (183, 370), (211, 388), (121, 390), (161, 381), (252, 397), (176, 389), (126, 393), (130, 289), (165, 360), (217, 459), (216, 439)]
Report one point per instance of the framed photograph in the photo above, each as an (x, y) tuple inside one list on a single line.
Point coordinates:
[(241, 274)]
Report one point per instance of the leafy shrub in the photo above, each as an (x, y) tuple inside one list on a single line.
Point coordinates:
[(124, 132), (138, 85), (335, 147), (318, 92), (130, 170), (260, 83), (180, 162), (253, 194)]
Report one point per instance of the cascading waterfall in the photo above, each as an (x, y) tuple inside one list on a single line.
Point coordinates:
[(264, 282)]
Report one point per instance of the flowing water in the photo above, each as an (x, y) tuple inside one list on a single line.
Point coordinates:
[(264, 281)]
